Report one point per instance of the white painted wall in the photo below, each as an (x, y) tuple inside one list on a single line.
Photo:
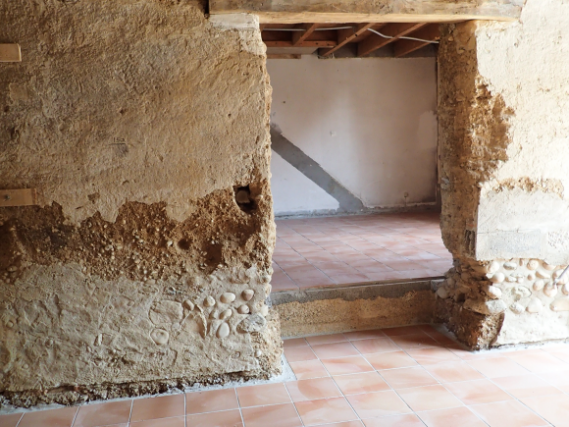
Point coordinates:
[(370, 123)]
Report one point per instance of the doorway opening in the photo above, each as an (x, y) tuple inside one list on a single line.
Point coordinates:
[(354, 154)]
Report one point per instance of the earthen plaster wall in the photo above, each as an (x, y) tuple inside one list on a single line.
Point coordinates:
[(144, 128), (504, 145)]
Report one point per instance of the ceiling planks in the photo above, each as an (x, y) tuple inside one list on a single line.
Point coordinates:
[(394, 31), (405, 47), (347, 36), (298, 37)]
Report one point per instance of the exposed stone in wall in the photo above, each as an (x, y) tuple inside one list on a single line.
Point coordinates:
[(504, 148), (145, 130), (506, 301)]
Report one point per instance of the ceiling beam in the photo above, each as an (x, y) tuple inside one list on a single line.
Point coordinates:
[(346, 36), (363, 11), (309, 43), (394, 31), (404, 47), (298, 37)]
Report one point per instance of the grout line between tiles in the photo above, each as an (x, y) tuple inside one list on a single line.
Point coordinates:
[(239, 406), (74, 416), (186, 411), (20, 420)]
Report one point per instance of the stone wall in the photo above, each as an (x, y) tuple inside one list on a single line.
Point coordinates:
[(504, 146), (144, 129)]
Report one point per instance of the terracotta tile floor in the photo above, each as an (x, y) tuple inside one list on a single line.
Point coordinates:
[(400, 377), (317, 252)]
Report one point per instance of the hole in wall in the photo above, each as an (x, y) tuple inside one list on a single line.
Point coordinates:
[(243, 199), (184, 244)]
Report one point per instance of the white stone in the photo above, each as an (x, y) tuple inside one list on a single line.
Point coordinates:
[(493, 292), (209, 301), (493, 267), (227, 297), (223, 331), (511, 279), (534, 306), (560, 305), (548, 266), (565, 289), (533, 264), (442, 292), (542, 275), (485, 307), (517, 308), (248, 294), (159, 336), (258, 353), (189, 305), (225, 314), (520, 292), (531, 277), (538, 285), (510, 265), (244, 309), (550, 290), (498, 278)]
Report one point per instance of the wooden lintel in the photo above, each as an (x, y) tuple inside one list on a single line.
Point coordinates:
[(404, 47), (262, 27), (283, 56), (10, 52), (346, 36), (394, 31), (363, 11), (20, 197), (298, 37), (309, 43)]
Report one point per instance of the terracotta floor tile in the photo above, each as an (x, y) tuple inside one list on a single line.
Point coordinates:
[(157, 407), (209, 401), (309, 369), (497, 367), (344, 424), (164, 422), (274, 416), (347, 365), (553, 408), (298, 353), (525, 386), (368, 382), (327, 339), (343, 279), (364, 335), (380, 404), (429, 398), (408, 377), (560, 353), (266, 394), (62, 417), (102, 414), (391, 360), (319, 388), (231, 418), (449, 372), (408, 420), (508, 414), (10, 420), (325, 411), (295, 342), (407, 342), (557, 379), (432, 355), (452, 417), (540, 362), (478, 391), (328, 351), (377, 345), (403, 330)]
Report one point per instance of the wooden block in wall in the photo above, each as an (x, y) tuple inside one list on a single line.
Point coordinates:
[(10, 53), (20, 197)]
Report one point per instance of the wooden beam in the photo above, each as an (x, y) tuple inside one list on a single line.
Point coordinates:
[(392, 30), (404, 47), (346, 36), (262, 27), (298, 37), (10, 53), (363, 11), (20, 197), (324, 43), (283, 56)]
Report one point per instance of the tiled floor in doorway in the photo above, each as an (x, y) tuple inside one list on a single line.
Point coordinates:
[(399, 377), (331, 251)]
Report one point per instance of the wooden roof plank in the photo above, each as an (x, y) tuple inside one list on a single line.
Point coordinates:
[(299, 37), (404, 47), (392, 30), (346, 36)]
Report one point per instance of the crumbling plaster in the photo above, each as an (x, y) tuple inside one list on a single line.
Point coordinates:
[(504, 136), (144, 128)]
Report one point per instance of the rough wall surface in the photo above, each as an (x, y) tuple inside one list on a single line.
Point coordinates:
[(145, 130), (504, 143)]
